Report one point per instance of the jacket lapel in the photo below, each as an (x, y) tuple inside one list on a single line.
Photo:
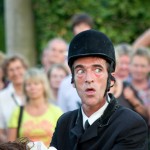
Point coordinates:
[(77, 131), (111, 108), (92, 131)]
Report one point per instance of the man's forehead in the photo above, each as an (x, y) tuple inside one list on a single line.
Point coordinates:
[(90, 60), (14, 62), (140, 58), (56, 43)]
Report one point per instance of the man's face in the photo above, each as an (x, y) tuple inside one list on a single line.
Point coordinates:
[(34, 89), (90, 79), (16, 72), (80, 28), (139, 68), (45, 57), (57, 51), (56, 77), (123, 66)]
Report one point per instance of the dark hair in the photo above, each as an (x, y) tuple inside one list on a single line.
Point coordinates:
[(123, 49), (19, 144), (12, 59), (81, 18)]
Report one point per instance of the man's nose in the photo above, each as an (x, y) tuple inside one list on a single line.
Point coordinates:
[(125, 66), (15, 71), (89, 78)]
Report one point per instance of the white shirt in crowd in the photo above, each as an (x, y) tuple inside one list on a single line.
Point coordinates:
[(8, 101)]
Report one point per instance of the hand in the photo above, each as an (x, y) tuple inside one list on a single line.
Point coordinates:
[(129, 94)]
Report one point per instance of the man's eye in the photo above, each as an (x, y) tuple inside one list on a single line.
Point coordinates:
[(80, 71), (97, 70)]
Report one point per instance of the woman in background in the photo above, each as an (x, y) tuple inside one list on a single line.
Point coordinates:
[(39, 117), (123, 53), (56, 74)]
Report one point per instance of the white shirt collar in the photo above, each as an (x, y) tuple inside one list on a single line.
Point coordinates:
[(95, 115), (10, 88), (18, 100)]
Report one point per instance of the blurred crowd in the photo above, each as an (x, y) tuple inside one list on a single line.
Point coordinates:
[(32, 99)]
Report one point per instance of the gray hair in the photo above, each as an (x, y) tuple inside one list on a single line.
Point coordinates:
[(123, 49), (57, 39)]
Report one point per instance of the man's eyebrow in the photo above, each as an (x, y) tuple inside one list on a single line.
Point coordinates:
[(78, 66), (97, 65), (94, 65)]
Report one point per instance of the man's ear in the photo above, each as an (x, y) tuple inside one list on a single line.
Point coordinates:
[(113, 80), (113, 74)]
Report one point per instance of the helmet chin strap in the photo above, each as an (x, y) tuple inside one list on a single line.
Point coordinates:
[(110, 77), (72, 78)]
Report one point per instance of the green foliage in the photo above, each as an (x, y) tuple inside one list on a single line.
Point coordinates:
[(122, 21), (2, 37)]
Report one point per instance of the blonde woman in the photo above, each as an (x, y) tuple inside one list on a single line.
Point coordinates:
[(39, 117)]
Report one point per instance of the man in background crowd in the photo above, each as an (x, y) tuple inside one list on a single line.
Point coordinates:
[(81, 22), (12, 96), (54, 53)]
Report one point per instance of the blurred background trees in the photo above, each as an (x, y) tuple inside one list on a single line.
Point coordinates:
[(122, 21), (19, 29), (2, 32)]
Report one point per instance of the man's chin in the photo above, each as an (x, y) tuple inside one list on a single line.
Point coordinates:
[(18, 83)]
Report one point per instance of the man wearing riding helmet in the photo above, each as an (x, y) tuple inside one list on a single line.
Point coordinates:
[(101, 123)]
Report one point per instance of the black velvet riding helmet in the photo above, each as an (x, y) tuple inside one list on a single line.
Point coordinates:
[(91, 43)]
